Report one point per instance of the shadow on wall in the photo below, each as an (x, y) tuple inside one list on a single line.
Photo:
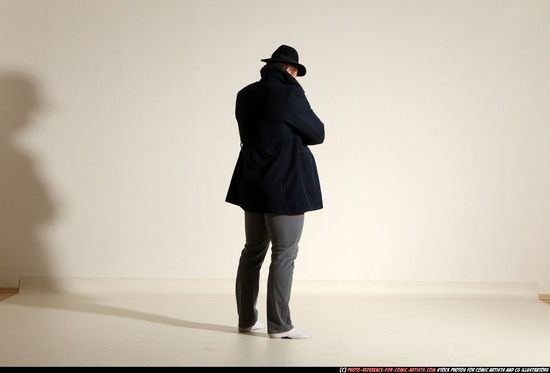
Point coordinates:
[(25, 204)]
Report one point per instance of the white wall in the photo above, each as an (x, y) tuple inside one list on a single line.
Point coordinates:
[(118, 137)]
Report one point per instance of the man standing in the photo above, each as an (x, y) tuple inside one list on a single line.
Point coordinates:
[(275, 182)]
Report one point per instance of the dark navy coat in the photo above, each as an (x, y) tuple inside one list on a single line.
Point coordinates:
[(275, 171)]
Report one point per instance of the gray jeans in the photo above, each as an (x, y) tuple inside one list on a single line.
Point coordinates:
[(284, 232)]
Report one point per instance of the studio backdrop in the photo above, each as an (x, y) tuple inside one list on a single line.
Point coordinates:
[(118, 136)]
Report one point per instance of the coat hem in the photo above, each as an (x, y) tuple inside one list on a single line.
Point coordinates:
[(279, 212)]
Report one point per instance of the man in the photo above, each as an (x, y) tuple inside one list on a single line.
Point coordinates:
[(275, 182)]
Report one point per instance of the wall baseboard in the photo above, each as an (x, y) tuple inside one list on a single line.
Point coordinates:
[(9, 290)]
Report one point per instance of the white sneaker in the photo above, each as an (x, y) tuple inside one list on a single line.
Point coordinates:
[(291, 334), (256, 326)]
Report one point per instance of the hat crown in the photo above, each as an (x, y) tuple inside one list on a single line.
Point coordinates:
[(284, 52)]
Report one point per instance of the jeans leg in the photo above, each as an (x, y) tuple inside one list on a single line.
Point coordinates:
[(250, 263), (285, 232)]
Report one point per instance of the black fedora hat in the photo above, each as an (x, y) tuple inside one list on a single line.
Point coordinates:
[(286, 54)]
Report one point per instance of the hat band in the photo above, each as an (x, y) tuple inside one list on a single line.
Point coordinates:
[(285, 58)]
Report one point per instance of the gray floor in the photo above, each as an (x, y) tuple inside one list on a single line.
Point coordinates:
[(97, 323)]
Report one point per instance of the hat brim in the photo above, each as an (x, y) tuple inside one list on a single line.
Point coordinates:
[(301, 68)]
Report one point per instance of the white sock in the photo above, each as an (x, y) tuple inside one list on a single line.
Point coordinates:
[(291, 334), (256, 326)]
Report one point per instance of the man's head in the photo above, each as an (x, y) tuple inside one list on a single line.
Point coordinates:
[(288, 57)]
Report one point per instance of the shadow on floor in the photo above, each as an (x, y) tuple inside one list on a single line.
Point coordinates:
[(83, 304)]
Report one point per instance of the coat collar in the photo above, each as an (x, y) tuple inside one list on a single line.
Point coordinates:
[(277, 76)]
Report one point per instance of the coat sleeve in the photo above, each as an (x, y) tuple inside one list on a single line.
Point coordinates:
[(302, 120)]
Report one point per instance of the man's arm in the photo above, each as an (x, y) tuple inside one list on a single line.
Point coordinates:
[(301, 118)]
